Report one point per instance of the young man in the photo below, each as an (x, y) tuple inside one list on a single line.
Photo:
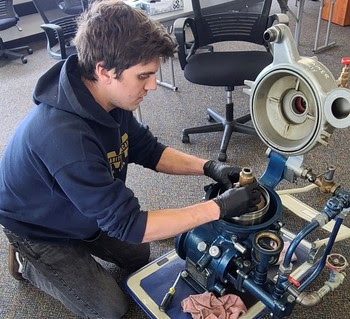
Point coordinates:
[(63, 196)]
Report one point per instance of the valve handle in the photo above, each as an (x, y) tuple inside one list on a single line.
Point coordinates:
[(345, 61), (293, 281), (336, 262)]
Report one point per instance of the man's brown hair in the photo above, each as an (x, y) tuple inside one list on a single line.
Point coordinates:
[(119, 36)]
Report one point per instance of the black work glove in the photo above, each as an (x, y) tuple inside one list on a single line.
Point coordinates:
[(238, 201), (222, 173)]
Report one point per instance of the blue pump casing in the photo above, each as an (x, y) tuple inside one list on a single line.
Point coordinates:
[(210, 252)]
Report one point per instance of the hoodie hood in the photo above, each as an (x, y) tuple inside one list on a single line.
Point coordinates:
[(60, 88)]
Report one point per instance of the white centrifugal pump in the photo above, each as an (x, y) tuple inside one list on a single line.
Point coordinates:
[(295, 102)]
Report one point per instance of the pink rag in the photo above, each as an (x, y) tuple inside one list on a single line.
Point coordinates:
[(283, 253), (207, 306)]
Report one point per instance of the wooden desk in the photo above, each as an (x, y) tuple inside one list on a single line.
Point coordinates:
[(341, 12)]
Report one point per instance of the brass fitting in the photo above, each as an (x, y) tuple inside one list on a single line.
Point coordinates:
[(246, 177), (326, 182), (326, 186)]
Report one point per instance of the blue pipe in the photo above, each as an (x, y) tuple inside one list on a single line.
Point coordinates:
[(296, 241), (332, 209), (271, 302), (322, 261), (258, 292)]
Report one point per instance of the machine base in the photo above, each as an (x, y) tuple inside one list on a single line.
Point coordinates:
[(148, 286)]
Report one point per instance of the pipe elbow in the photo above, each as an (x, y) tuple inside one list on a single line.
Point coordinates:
[(309, 299)]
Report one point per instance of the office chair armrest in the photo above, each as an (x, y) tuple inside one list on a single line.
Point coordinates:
[(54, 35), (186, 49), (278, 18)]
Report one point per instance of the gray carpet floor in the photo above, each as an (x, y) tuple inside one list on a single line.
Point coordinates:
[(167, 113)]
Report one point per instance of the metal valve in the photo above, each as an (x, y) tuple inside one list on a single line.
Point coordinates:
[(336, 262), (344, 75)]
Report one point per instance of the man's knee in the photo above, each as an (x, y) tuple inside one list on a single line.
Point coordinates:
[(146, 253), (142, 258), (117, 309), (106, 302)]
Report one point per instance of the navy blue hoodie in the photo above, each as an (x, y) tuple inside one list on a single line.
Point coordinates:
[(63, 173)]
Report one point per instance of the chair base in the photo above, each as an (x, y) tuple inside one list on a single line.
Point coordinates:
[(15, 52), (226, 124)]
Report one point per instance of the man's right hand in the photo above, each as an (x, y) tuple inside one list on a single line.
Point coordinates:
[(238, 201)]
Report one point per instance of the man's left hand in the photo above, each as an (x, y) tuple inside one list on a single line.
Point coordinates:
[(222, 173)]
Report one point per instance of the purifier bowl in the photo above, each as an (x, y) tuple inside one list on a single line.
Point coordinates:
[(257, 216), (250, 218), (250, 222)]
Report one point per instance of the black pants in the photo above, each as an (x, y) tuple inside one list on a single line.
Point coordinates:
[(69, 273)]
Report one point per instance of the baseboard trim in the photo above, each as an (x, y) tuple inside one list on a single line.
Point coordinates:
[(25, 40)]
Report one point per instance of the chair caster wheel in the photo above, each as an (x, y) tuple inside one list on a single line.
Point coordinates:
[(185, 139), (210, 119), (24, 60), (222, 157), (30, 51)]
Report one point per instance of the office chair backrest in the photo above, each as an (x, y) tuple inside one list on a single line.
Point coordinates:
[(60, 26), (51, 12), (73, 7), (237, 20), (7, 10)]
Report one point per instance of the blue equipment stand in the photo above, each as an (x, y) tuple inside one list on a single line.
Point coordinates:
[(148, 286)]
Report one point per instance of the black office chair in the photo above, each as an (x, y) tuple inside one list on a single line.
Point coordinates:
[(72, 7), (9, 19), (238, 20), (60, 25)]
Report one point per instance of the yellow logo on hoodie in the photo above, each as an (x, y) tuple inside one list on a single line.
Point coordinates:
[(117, 160)]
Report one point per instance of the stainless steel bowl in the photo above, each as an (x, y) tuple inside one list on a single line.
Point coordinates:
[(257, 217)]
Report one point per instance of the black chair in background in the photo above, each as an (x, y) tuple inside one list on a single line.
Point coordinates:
[(60, 24), (9, 19), (72, 7), (238, 20)]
